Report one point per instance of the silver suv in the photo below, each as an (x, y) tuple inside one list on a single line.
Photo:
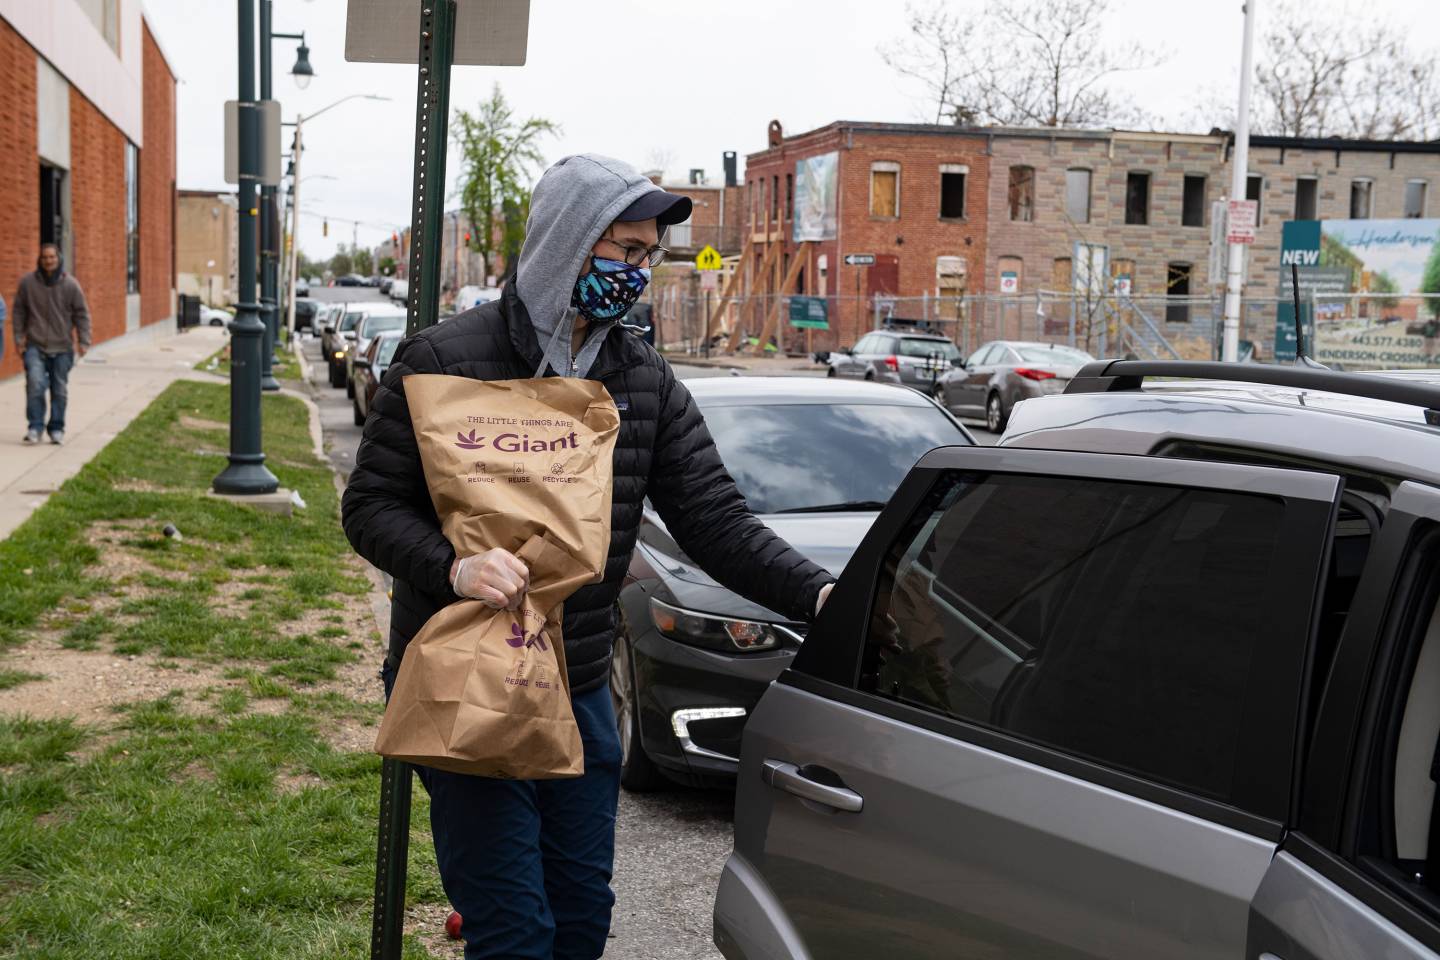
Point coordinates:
[(1157, 677), (897, 356)]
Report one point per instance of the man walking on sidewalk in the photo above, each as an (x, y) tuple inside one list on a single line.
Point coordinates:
[(52, 322)]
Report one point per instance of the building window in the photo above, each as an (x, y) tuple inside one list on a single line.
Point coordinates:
[(952, 190), (1022, 194), (790, 198), (775, 197), (885, 189), (1137, 198), (1360, 192), (1192, 213), (1415, 191), (1077, 195), (1253, 185), (1177, 286), (132, 218), (1307, 191), (105, 14), (1061, 275)]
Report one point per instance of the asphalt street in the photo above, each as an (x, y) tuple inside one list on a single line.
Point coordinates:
[(671, 845)]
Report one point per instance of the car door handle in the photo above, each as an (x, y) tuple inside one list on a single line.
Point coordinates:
[(788, 777)]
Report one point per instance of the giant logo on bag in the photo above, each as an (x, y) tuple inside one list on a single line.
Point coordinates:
[(517, 442), (469, 442), (519, 638)]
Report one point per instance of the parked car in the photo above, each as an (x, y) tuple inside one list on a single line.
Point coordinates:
[(472, 296), (370, 367), (214, 316), (376, 317), (1001, 373), (816, 459), (305, 313), (385, 285), (302, 287), (1170, 652), (350, 280), (337, 333), (374, 281), (896, 356), (400, 290)]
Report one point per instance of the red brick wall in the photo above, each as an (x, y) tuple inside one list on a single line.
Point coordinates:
[(916, 237), (157, 186), (19, 176), (97, 214)]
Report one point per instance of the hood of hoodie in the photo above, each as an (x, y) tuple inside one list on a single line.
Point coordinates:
[(575, 201)]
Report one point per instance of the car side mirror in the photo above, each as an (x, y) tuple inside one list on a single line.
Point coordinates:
[(350, 335), (362, 363), (329, 329), (962, 361)]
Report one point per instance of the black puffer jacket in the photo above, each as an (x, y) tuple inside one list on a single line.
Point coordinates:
[(663, 450)]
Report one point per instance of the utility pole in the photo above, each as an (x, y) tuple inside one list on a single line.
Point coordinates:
[(246, 472), (1235, 272), (299, 152), (268, 254)]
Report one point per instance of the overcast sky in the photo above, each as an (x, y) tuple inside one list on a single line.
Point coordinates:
[(640, 80)]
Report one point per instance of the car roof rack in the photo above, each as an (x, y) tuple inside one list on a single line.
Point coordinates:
[(1107, 376)]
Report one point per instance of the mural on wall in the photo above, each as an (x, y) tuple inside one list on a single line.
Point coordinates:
[(817, 181), (1369, 292)]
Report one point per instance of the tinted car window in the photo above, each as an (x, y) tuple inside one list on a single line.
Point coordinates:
[(983, 355), (348, 323), (915, 347), (1114, 621), (865, 345), (796, 456), (374, 325), (1056, 354), (386, 350)]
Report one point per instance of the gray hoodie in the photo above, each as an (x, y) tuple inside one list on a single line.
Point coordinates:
[(574, 202)]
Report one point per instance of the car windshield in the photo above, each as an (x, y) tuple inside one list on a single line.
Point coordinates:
[(928, 348), (1068, 356), (386, 350), (374, 325), (806, 457), (348, 323)]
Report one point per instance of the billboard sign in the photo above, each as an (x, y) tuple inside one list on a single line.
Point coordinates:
[(1363, 280), (817, 181), (809, 313)]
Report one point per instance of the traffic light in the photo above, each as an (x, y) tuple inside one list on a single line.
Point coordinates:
[(467, 236), (325, 228)]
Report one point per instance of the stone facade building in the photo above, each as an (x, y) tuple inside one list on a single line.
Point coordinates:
[(207, 245), (87, 159)]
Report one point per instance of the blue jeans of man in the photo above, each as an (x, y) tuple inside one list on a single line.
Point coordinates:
[(46, 372), (527, 863)]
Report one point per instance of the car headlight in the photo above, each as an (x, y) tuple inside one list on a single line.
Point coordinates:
[(339, 354), (717, 633)]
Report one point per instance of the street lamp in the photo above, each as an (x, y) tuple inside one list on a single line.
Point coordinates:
[(302, 71), (299, 152)]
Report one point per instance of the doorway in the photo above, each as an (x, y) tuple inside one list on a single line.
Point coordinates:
[(53, 206)]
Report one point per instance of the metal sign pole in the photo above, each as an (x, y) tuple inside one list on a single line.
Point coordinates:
[(437, 53)]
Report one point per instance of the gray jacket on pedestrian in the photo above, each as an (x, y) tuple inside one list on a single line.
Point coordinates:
[(50, 315)]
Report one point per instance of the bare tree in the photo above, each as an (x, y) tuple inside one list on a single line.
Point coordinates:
[(1338, 75), (1035, 62)]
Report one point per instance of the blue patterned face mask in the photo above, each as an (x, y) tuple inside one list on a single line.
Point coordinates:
[(609, 289)]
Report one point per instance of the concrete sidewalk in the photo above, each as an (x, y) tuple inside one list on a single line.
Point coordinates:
[(107, 391)]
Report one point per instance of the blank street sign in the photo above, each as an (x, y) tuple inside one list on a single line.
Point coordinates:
[(487, 32), (269, 128)]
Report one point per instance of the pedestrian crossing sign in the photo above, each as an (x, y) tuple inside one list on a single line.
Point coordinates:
[(708, 259)]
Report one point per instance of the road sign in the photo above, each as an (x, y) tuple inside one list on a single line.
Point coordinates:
[(809, 313), (487, 32), (709, 280), (1217, 257), (708, 259), (1241, 219), (859, 259), (268, 127)]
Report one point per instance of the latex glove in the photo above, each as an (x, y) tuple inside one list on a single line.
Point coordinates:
[(496, 577), (824, 595)]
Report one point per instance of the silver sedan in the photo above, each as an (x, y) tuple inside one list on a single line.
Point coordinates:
[(1001, 373)]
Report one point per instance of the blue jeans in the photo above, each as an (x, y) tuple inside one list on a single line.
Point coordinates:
[(46, 371), (527, 863)]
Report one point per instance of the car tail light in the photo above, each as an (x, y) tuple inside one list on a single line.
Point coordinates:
[(1030, 373), (892, 363)]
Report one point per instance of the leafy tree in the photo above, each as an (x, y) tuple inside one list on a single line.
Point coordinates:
[(1381, 283), (1030, 63), (499, 156), (341, 262), (1430, 280), (363, 260), (387, 266)]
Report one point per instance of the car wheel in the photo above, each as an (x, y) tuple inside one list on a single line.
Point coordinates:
[(830, 372), (995, 415), (349, 387), (869, 374), (337, 377), (638, 772), (355, 408)]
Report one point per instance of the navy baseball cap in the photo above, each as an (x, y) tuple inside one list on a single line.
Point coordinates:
[(666, 209)]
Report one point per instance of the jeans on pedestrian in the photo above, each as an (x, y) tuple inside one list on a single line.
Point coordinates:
[(527, 863), (46, 371)]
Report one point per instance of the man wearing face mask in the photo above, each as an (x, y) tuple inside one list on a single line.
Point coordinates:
[(528, 864)]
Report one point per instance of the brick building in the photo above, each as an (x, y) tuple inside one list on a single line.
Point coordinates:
[(207, 245), (717, 217), (87, 159), (912, 195)]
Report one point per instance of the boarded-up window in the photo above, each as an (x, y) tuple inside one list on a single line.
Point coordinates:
[(1415, 191), (884, 189), (1192, 208), (1077, 195), (1060, 274), (1022, 194)]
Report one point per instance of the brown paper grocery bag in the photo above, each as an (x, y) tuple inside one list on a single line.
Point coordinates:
[(524, 465)]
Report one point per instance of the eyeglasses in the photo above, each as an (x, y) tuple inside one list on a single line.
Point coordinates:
[(634, 256)]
